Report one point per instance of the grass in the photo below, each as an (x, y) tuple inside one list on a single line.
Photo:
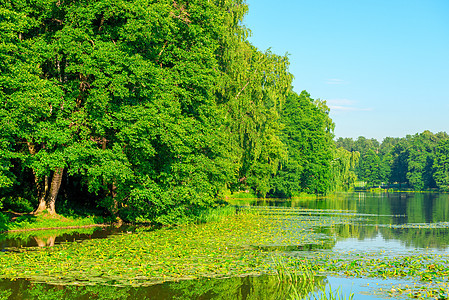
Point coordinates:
[(325, 294), (240, 195), (10, 221), (216, 214), (300, 271), (302, 278)]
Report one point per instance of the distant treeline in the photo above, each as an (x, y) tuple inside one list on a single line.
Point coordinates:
[(419, 161), (152, 110)]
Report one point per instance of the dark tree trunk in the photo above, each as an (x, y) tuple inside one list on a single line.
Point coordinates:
[(115, 203), (54, 190), (41, 187), (41, 194)]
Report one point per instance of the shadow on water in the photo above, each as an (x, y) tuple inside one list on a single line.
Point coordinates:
[(248, 287), (236, 288), (48, 238)]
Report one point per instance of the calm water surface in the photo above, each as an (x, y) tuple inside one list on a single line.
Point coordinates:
[(45, 238), (396, 223)]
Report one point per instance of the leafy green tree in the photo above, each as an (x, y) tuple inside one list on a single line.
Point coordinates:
[(374, 173), (154, 107), (399, 165), (343, 165), (420, 160), (257, 85), (441, 165), (408, 160), (121, 95), (35, 112), (307, 133), (345, 143)]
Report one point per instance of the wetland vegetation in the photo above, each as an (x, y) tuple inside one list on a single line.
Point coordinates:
[(361, 243), (162, 114)]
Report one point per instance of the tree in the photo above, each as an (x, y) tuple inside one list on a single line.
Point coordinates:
[(36, 112), (420, 160), (307, 133), (399, 165), (441, 165), (120, 95), (154, 107), (343, 165), (409, 160)]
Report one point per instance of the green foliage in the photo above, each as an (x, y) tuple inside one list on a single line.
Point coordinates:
[(4, 295), (399, 163), (151, 110), (4, 220), (307, 134), (343, 165), (239, 195), (410, 161), (373, 168), (441, 165), (216, 214), (18, 204), (123, 97)]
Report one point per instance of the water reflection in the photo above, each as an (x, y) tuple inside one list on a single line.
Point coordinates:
[(363, 222), (244, 288), (237, 288), (400, 221), (50, 242), (385, 218), (48, 238)]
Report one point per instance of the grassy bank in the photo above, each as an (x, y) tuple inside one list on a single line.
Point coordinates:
[(248, 195), (11, 222)]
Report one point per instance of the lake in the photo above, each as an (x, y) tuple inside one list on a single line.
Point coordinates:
[(374, 245)]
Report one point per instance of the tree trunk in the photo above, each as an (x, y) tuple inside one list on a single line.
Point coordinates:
[(54, 190), (115, 204), (40, 207), (41, 194), (41, 190)]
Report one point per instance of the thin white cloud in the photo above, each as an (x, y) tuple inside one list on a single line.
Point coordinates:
[(341, 102), (337, 105)]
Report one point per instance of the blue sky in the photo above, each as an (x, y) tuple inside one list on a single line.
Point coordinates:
[(382, 66)]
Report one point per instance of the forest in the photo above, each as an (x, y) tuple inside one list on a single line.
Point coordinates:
[(155, 111), (418, 162)]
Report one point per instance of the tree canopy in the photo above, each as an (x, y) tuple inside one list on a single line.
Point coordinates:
[(152, 110), (416, 161)]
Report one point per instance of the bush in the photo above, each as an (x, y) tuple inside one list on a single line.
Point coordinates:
[(3, 222), (17, 204)]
